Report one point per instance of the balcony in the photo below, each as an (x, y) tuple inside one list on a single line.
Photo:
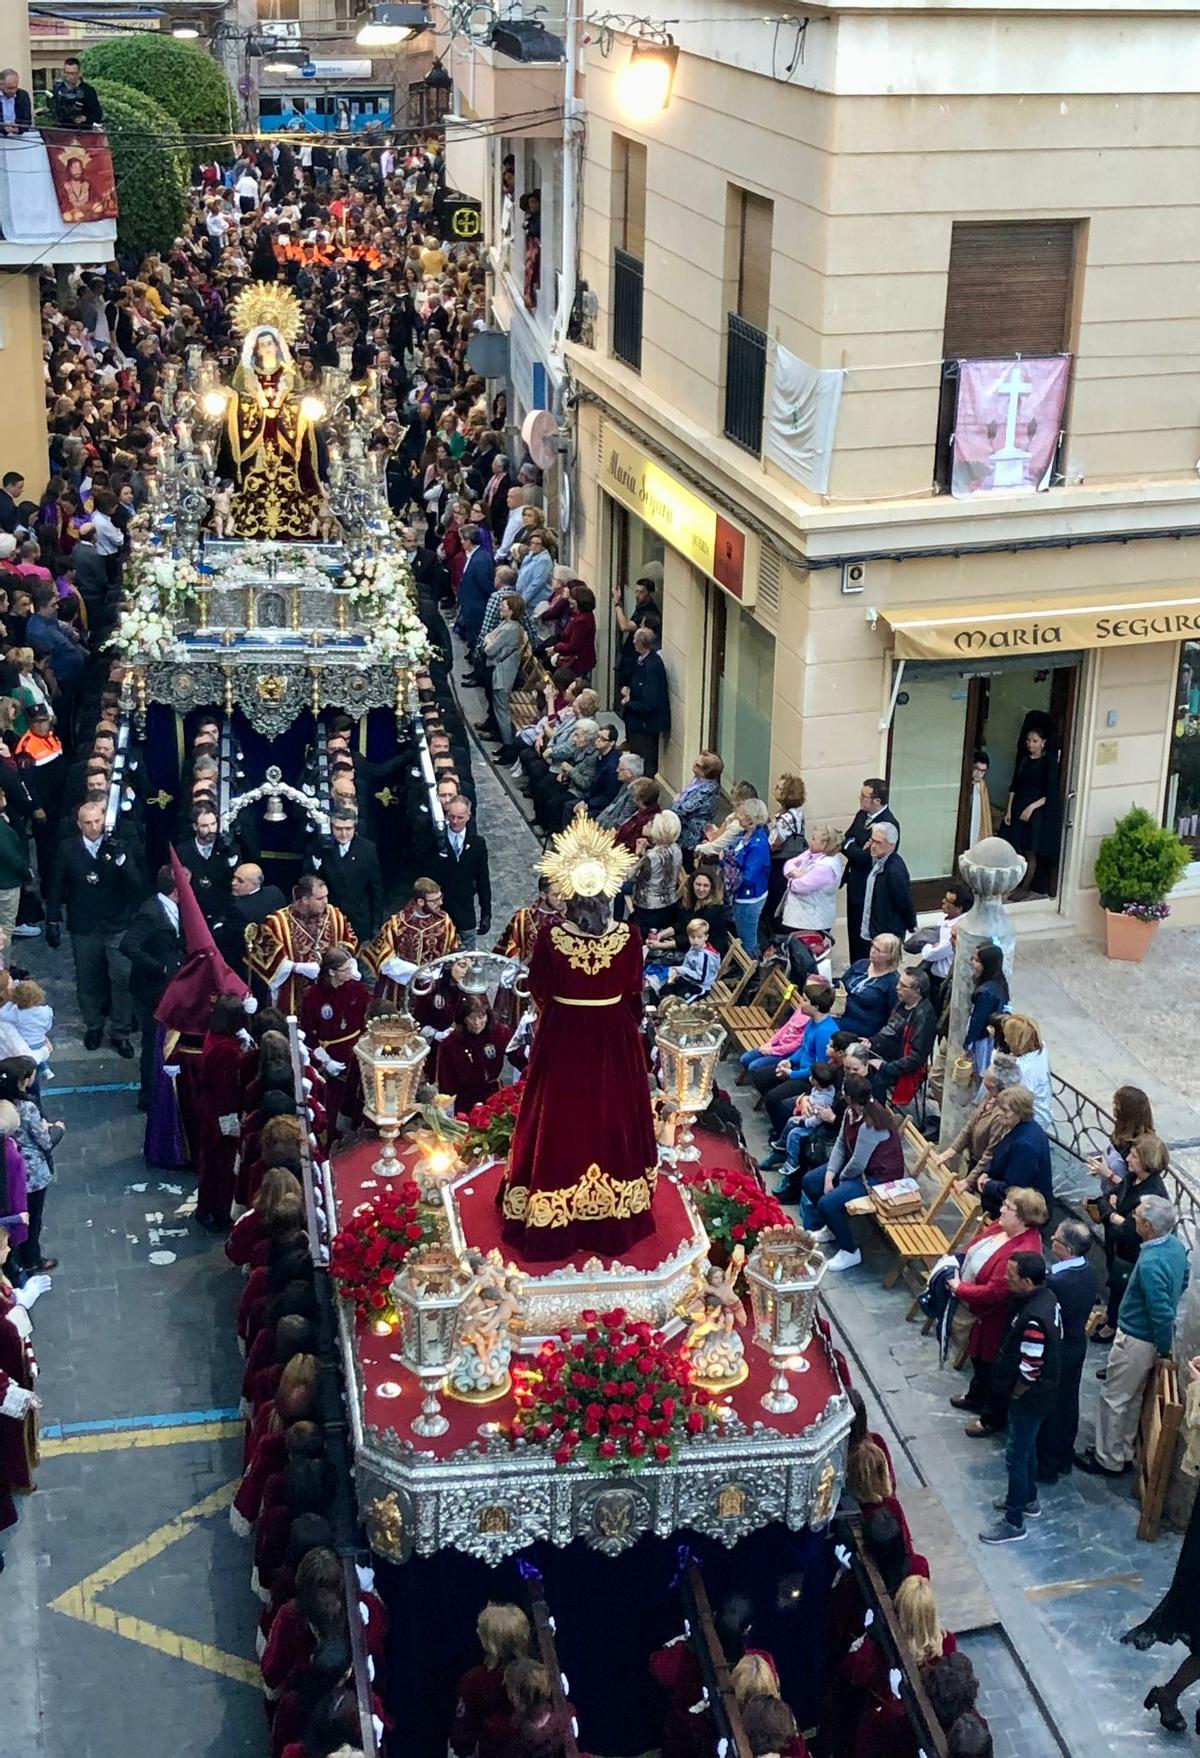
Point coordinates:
[(628, 273), (745, 383), (1013, 444)]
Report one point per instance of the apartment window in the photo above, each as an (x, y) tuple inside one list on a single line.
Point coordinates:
[(629, 248), (1010, 290), (751, 225)]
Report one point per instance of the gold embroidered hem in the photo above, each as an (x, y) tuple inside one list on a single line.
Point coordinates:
[(587, 952), (596, 1197)]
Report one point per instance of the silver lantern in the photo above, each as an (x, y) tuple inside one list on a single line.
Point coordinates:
[(428, 1292), (689, 1038), (784, 1273), (391, 1054)]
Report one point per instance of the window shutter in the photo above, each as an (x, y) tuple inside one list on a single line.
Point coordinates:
[(754, 264), (1009, 288), (629, 196)]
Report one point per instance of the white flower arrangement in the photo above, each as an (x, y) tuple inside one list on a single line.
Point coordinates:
[(142, 634)]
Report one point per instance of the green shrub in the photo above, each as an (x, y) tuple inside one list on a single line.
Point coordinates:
[(185, 80), (151, 166), (1139, 861)]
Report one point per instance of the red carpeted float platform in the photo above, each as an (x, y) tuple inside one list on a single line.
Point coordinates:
[(391, 1395)]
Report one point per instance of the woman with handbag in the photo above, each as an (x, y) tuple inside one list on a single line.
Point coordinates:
[(786, 833)]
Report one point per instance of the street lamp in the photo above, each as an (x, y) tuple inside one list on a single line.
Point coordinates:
[(644, 88), (387, 24)]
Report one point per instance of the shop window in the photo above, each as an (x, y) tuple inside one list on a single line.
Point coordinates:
[(629, 248), (752, 219), (1183, 773), (634, 548), (1010, 290), (741, 688)]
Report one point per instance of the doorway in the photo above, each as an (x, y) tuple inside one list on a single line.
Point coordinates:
[(944, 716)]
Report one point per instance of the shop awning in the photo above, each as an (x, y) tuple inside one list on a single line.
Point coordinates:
[(1052, 623)]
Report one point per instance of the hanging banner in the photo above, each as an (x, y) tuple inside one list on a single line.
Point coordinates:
[(1007, 424), (802, 419), (82, 168)]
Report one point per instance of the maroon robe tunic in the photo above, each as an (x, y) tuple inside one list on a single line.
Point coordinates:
[(333, 1020), (222, 1066), (470, 1064), (584, 1157)]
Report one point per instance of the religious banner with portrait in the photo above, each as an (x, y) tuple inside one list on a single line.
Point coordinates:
[(1007, 424), (81, 165)]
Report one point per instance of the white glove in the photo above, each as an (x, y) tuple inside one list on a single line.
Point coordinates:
[(32, 1292), (17, 1401), (230, 1123), (312, 971), (895, 1680), (355, 972), (370, 1669), (171, 1070), (379, 1730), (869, 1619), (398, 969), (244, 1038), (508, 976), (335, 1067), (429, 1034), (316, 865), (250, 1004), (438, 1036)]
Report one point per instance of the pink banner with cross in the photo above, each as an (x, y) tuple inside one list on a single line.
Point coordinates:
[(1007, 424)]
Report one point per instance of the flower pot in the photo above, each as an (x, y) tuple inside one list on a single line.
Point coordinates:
[(1126, 937)]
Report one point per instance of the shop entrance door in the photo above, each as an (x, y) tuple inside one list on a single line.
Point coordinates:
[(944, 716)]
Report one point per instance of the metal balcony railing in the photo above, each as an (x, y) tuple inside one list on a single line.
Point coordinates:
[(628, 273), (745, 382)]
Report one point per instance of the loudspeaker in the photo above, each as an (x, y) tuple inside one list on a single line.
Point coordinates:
[(526, 39), (854, 576)]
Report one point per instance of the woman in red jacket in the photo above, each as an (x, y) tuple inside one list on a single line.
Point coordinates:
[(576, 646), (982, 1287)]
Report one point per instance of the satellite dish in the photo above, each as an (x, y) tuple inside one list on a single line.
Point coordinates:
[(539, 430)]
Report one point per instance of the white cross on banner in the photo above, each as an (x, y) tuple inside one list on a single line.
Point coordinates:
[(1007, 424)]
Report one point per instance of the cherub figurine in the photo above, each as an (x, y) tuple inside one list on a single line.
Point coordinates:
[(322, 524), (222, 509), (491, 1313), (713, 1344)]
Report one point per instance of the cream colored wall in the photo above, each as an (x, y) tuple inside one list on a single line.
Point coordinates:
[(866, 189)]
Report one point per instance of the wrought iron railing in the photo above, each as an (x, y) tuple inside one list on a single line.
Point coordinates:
[(628, 273), (1082, 1129), (745, 382)]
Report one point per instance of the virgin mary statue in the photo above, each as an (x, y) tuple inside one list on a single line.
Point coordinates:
[(269, 448)]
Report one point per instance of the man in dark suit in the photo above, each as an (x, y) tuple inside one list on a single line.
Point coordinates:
[(16, 106), (12, 488), (887, 906), (98, 879), (1073, 1281), (210, 865), (475, 587), (349, 865), (872, 809), (461, 869), (154, 947), (251, 902), (646, 702)]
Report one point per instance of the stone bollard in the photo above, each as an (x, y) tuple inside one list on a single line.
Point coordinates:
[(992, 868)]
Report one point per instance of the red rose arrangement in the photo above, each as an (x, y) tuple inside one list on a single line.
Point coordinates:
[(733, 1205), (492, 1124), (373, 1244), (618, 1395)]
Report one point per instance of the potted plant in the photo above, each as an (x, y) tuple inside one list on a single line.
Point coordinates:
[(1138, 864)]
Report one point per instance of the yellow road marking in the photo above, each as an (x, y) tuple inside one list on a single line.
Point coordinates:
[(128, 1440), (81, 1601), (1059, 1589)]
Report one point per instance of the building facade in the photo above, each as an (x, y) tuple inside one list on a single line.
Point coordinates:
[(820, 281)]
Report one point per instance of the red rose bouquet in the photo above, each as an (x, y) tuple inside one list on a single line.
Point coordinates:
[(373, 1244), (492, 1124), (733, 1205), (618, 1395)]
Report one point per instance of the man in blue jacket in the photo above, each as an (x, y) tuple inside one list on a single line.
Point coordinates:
[(475, 587), (1145, 1334)]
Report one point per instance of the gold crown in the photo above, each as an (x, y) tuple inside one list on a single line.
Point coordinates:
[(264, 305), (585, 861)]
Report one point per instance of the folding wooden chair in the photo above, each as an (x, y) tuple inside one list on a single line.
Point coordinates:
[(737, 968), (751, 1025)]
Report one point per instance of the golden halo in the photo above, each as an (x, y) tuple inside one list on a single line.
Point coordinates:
[(267, 306), (585, 861)]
